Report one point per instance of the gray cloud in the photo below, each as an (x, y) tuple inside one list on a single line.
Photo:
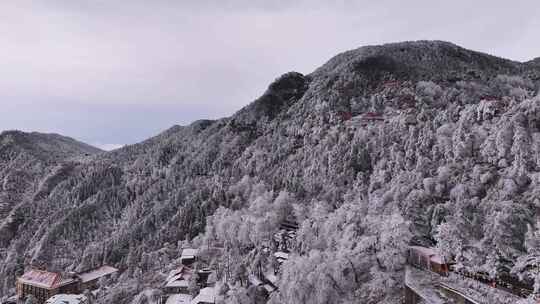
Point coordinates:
[(120, 71)]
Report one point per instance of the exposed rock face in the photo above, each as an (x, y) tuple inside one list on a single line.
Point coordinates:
[(458, 141)]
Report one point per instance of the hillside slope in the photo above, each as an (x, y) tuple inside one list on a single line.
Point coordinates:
[(452, 160), (29, 163)]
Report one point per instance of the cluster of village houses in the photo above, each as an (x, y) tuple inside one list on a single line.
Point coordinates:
[(176, 289), (283, 242), (47, 287), (58, 288)]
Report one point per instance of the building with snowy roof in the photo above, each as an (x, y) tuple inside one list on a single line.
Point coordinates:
[(189, 256), (178, 280), (179, 299), (90, 278), (205, 278), (428, 259), (206, 296), (281, 257), (45, 284), (366, 119), (67, 299)]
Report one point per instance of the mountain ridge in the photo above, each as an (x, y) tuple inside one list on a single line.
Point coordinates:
[(351, 57), (459, 135), (47, 142)]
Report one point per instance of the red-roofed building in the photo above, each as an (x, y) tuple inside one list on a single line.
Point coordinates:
[(178, 280), (43, 284), (428, 259), (391, 84), (345, 115), (371, 117)]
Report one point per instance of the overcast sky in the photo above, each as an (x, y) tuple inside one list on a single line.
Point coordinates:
[(118, 71)]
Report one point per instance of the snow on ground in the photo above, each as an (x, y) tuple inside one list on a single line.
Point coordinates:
[(422, 283), (179, 299), (67, 299), (477, 290), (428, 286)]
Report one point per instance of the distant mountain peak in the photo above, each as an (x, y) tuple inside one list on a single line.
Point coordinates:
[(281, 94), (46, 145), (418, 60)]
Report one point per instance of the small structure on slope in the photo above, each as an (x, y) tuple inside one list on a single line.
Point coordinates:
[(366, 119), (90, 278), (207, 295), (345, 115), (204, 277), (406, 101), (372, 117), (189, 256), (281, 256), (391, 84), (289, 224), (427, 259), (180, 298), (178, 281)]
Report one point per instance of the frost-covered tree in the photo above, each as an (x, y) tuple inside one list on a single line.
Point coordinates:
[(452, 161)]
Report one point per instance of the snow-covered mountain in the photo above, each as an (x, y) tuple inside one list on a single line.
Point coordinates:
[(28, 163), (423, 142)]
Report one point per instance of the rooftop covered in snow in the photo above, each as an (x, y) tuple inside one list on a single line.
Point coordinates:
[(281, 255), (432, 253), (189, 252), (44, 279), (97, 273), (206, 295), (67, 299), (179, 299)]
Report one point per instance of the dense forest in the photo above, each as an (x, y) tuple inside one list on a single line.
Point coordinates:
[(383, 146)]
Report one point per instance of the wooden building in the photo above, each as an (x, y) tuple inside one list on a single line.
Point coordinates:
[(178, 281), (427, 259), (189, 256), (43, 285)]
